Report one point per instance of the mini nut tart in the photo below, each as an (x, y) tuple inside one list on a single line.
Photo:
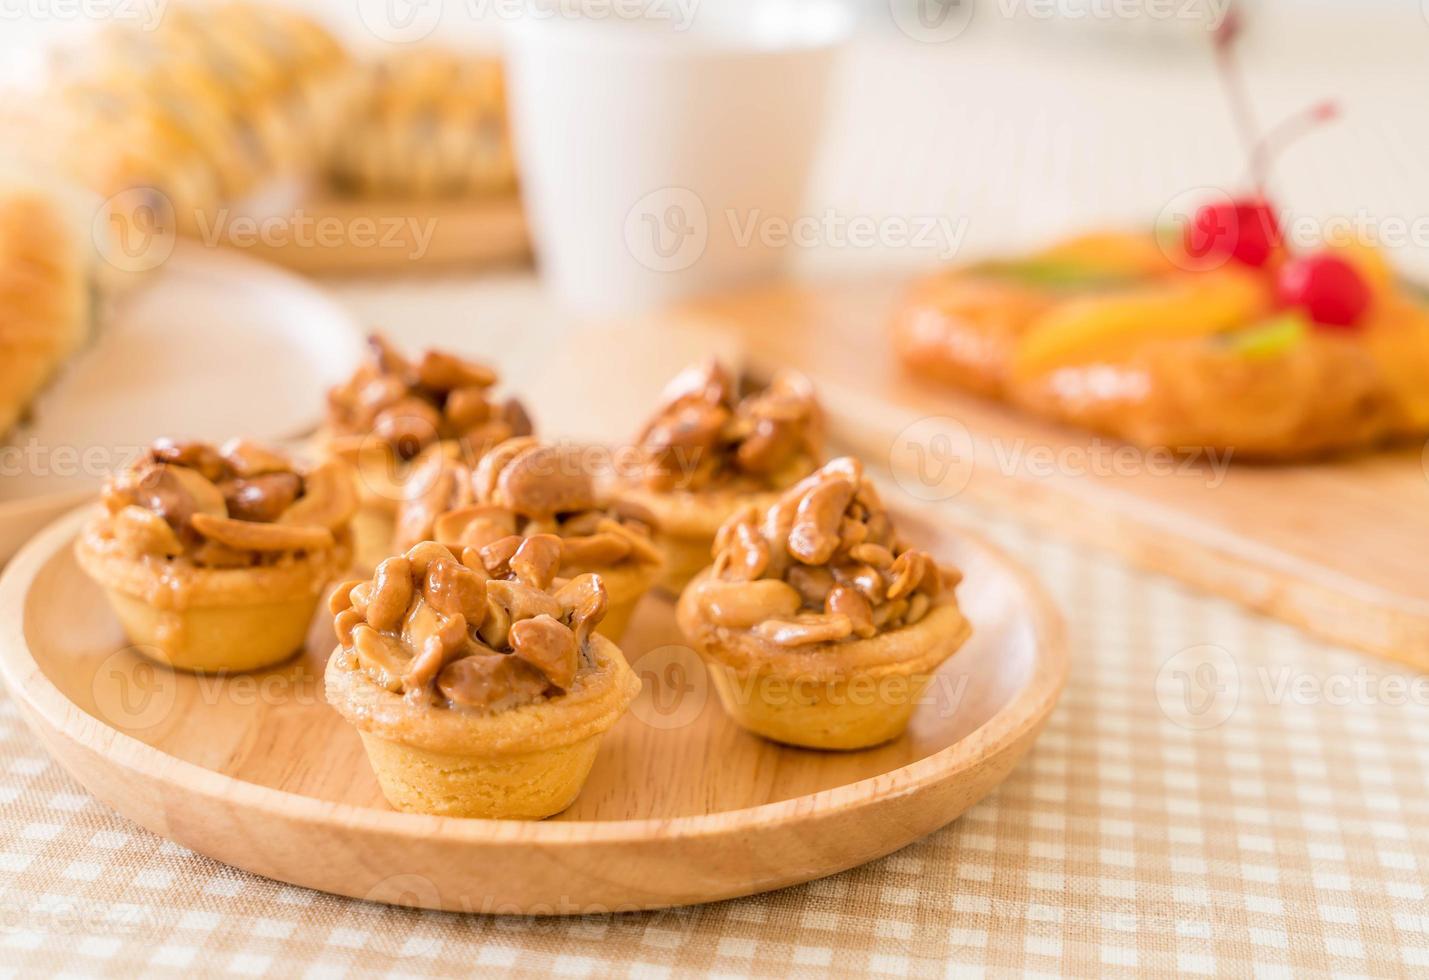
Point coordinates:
[(215, 559), (394, 410), (522, 488), (707, 452), (820, 628), (479, 689)]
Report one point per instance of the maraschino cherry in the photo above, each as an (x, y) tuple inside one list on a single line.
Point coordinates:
[(1327, 287), (1246, 230)]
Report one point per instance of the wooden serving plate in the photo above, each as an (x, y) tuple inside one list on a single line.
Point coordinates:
[(682, 807), (1336, 547), (337, 236)]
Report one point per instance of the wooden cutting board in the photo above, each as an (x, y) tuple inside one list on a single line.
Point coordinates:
[(1339, 548), (333, 236)]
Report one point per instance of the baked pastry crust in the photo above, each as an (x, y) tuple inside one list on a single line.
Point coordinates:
[(1214, 388), (850, 695), (595, 702)]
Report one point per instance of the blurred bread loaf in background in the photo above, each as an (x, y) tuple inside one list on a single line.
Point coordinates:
[(428, 122)]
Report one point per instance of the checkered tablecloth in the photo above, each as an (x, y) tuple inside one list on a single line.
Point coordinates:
[(1214, 794), (1268, 821)]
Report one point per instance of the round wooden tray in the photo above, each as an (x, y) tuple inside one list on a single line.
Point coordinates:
[(257, 771)]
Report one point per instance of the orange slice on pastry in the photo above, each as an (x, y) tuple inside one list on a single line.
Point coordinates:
[(1109, 326), (1111, 253)]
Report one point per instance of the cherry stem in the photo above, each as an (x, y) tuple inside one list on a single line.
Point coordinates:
[(1234, 81), (1261, 149), (1273, 143)]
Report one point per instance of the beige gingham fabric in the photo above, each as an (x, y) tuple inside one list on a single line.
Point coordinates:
[(1265, 829)]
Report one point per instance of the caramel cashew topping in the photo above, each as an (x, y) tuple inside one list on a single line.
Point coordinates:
[(391, 593), (485, 681), (193, 455), (704, 436), (523, 489), (584, 603), (145, 532), (743, 604), (234, 507), (806, 629), (411, 405), (436, 630), (249, 459), (536, 560), (441, 371), (261, 498), (252, 536), (820, 566), (329, 497), (455, 590), (548, 645)]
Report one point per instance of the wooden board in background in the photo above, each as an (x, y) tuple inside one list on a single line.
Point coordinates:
[(1339, 548), (336, 236)]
